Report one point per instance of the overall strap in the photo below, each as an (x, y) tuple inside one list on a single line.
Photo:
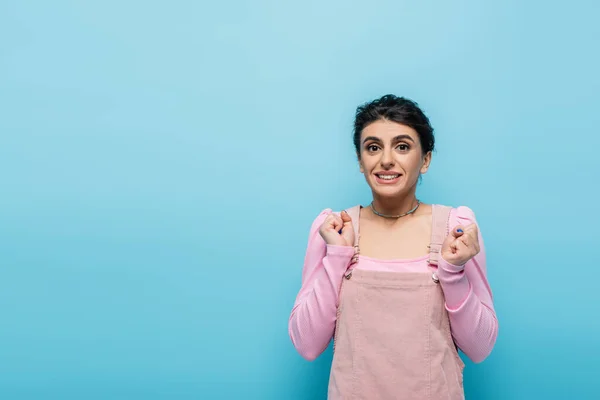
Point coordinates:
[(439, 231)]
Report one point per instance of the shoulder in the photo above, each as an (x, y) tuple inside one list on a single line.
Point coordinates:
[(461, 215)]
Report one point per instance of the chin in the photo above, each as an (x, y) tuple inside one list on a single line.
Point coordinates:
[(388, 191)]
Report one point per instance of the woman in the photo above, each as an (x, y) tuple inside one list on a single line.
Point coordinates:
[(399, 285)]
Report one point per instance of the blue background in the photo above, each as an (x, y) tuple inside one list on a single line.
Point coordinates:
[(161, 164)]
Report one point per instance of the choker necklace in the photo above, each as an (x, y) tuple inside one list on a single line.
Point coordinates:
[(395, 216)]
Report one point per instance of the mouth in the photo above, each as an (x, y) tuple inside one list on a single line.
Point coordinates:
[(387, 177)]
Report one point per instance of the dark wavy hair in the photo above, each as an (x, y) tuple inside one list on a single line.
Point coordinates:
[(395, 109)]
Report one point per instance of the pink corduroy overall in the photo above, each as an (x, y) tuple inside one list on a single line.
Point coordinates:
[(392, 336)]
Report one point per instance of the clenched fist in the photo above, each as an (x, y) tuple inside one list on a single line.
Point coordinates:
[(461, 245), (338, 230)]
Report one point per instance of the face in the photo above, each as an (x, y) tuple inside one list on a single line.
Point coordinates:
[(391, 157)]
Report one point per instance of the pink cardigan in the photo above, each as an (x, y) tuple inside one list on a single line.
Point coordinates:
[(466, 289)]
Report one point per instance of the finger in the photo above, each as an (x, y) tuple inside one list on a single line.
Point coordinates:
[(459, 246), (330, 221), (472, 235), (347, 221), (471, 228), (336, 222), (345, 217), (331, 218), (458, 231), (448, 241), (454, 247)]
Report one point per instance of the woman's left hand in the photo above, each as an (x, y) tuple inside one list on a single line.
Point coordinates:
[(461, 245)]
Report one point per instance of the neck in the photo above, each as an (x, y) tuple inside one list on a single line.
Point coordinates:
[(394, 205)]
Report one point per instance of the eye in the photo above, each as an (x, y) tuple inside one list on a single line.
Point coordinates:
[(372, 147), (403, 147)]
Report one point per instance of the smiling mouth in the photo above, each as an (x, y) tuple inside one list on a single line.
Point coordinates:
[(387, 177)]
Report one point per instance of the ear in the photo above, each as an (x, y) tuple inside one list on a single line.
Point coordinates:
[(426, 162)]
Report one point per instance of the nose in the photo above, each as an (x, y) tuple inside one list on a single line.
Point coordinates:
[(387, 159)]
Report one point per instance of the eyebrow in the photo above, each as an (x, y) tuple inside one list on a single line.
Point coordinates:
[(396, 139)]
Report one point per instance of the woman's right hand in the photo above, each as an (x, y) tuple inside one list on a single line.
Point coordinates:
[(330, 230)]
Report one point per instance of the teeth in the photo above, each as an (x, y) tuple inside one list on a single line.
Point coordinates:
[(388, 177)]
